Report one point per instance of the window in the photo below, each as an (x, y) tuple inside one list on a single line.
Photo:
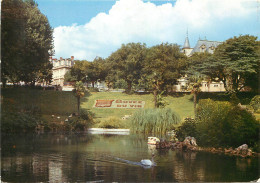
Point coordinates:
[(215, 85), (203, 48)]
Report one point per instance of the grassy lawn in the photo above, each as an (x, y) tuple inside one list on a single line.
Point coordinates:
[(182, 105), (63, 104)]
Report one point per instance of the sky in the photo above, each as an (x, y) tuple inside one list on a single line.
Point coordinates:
[(86, 29)]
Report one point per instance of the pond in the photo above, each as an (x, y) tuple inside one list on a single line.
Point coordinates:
[(107, 157)]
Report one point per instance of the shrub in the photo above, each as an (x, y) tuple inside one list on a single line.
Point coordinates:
[(255, 103), (81, 122), (222, 124), (187, 128), (112, 122), (233, 99), (156, 121), (18, 122)]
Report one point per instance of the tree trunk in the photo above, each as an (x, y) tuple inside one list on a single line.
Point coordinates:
[(129, 86), (93, 84), (155, 93), (195, 101), (78, 101)]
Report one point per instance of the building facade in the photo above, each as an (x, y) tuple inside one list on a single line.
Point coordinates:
[(202, 46), (60, 67)]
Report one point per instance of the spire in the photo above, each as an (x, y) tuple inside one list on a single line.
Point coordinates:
[(186, 43)]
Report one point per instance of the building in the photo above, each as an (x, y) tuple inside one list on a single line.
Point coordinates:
[(202, 46), (212, 86), (60, 67)]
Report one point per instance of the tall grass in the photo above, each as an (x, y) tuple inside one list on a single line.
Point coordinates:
[(153, 121)]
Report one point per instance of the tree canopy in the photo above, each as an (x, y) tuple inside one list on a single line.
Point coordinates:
[(26, 42), (163, 66), (126, 63)]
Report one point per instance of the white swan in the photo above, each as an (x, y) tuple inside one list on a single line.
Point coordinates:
[(147, 162)]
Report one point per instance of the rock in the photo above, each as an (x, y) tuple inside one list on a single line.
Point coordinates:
[(242, 150), (230, 150), (163, 144), (190, 141), (249, 152), (153, 140), (213, 150)]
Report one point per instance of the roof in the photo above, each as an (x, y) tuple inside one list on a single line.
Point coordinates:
[(208, 46), (186, 43)]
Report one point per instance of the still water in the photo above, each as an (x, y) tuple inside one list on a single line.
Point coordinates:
[(106, 157)]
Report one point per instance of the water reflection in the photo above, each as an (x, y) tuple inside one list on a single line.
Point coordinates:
[(85, 157)]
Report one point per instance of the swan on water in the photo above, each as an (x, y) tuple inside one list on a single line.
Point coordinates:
[(147, 162)]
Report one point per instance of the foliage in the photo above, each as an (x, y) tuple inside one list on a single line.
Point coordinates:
[(96, 71), (79, 91), (81, 122), (78, 72), (112, 122), (121, 84), (25, 120), (126, 64), (234, 100), (68, 77), (187, 128), (27, 43), (255, 103), (221, 124), (236, 63), (161, 102), (162, 67), (155, 121)]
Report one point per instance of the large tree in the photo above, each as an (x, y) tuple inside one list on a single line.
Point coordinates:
[(126, 63), (78, 72), (163, 66), (97, 70), (236, 63), (26, 41)]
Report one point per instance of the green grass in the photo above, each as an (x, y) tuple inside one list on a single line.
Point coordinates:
[(64, 103), (183, 106)]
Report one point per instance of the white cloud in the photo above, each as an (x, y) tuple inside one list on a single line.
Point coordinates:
[(138, 21)]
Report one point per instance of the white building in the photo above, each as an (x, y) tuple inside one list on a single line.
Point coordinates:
[(60, 67), (212, 86), (202, 46)]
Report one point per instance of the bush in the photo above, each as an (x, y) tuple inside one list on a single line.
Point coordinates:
[(233, 99), (156, 121), (19, 122), (187, 128), (112, 122), (255, 103), (222, 124), (81, 122)]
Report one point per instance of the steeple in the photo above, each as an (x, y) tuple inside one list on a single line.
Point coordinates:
[(186, 43)]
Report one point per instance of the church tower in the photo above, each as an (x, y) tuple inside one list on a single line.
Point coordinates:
[(186, 49)]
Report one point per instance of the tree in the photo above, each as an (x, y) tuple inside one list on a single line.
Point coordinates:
[(96, 70), (162, 67), (13, 20), (126, 63), (196, 70), (236, 63), (79, 91), (79, 71), (27, 41)]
